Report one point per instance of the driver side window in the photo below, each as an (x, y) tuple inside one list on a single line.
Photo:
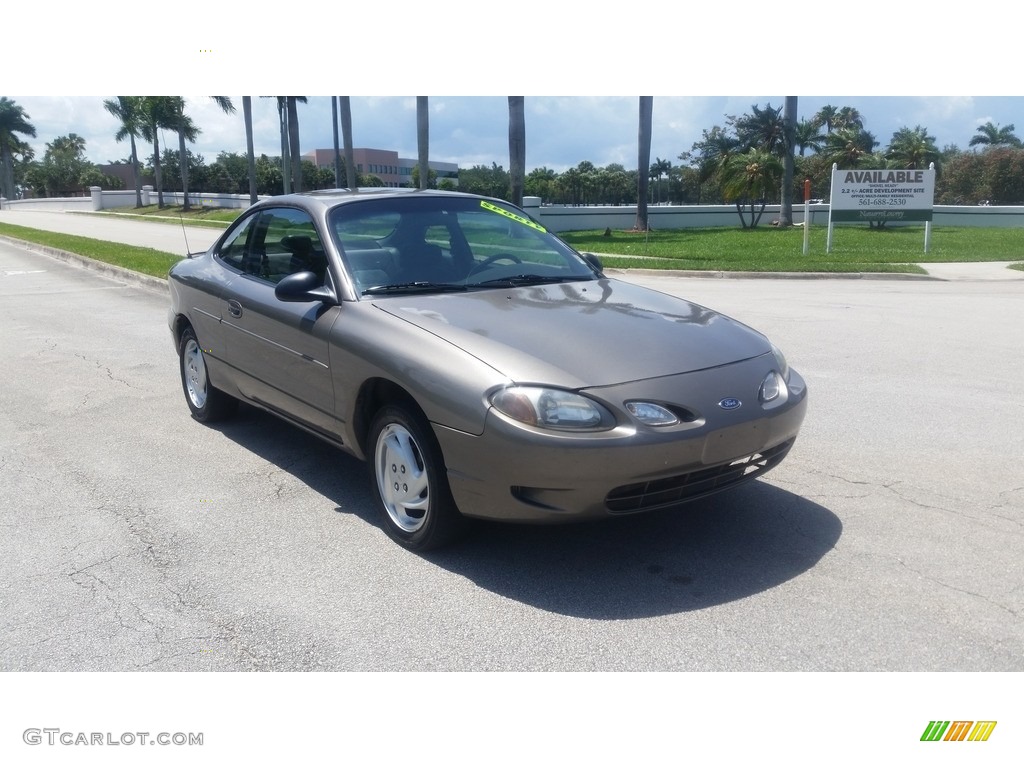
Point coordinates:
[(233, 252), (275, 243), (290, 245)]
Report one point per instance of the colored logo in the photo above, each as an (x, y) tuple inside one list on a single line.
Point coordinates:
[(958, 730), (729, 403)]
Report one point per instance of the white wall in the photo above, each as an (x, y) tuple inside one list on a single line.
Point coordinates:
[(105, 199), (564, 218), (557, 218)]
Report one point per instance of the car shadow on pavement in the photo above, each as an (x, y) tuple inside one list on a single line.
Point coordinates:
[(708, 552), (711, 551)]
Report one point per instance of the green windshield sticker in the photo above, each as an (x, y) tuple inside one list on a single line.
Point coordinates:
[(510, 215)]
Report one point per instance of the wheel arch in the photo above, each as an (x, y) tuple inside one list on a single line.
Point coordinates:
[(181, 322), (375, 394)]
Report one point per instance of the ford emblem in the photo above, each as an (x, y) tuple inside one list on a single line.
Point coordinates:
[(729, 403)]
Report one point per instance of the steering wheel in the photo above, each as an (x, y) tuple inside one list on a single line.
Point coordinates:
[(491, 259)]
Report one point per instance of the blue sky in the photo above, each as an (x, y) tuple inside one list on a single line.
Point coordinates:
[(561, 131), (578, 74)]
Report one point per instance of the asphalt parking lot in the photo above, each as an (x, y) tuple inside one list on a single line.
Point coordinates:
[(889, 540)]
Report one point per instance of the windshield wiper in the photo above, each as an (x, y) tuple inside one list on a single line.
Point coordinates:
[(419, 286), (515, 280)]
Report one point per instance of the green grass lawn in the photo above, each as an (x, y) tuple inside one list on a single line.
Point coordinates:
[(148, 261), (174, 214), (768, 249), (729, 249)]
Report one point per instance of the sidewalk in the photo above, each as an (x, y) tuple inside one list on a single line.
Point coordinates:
[(971, 271), (979, 270)]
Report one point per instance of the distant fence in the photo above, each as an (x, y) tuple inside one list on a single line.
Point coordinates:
[(105, 199), (565, 218), (557, 218)]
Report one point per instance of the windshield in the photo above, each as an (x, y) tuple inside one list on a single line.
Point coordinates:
[(424, 244)]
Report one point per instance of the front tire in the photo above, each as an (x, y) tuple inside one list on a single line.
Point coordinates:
[(410, 481), (206, 402)]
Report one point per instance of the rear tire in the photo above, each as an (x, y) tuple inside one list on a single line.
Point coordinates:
[(410, 481), (205, 401)]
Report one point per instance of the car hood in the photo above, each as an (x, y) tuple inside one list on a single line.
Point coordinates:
[(580, 334)]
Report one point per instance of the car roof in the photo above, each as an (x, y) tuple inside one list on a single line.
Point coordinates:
[(328, 198)]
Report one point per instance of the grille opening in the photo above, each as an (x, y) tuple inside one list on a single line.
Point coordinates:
[(667, 491)]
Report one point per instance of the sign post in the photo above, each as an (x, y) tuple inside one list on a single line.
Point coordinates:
[(807, 216), (928, 223), (881, 196)]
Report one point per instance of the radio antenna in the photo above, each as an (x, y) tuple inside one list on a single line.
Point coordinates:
[(184, 234)]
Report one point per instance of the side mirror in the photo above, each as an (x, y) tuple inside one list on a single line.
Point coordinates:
[(594, 262), (304, 286)]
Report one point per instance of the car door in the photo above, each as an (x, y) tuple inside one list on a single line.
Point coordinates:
[(206, 294), (278, 348)]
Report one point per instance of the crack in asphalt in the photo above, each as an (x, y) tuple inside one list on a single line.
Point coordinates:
[(955, 588), (106, 370)]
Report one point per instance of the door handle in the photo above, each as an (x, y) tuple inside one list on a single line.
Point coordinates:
[(234, 308)]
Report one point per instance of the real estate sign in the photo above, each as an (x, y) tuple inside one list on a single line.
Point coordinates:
[(886, 195)]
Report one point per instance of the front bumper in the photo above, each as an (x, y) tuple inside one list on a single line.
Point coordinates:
[(516, 473)]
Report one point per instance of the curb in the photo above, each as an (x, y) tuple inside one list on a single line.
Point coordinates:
[(149, 282), (776, 275)]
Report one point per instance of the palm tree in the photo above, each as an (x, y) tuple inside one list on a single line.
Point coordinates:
[(643, 161), (423, 140), (182, 124), (128, 110), (712, 153), (826, 117), (517, 147), (337, 148), (748, 179), (158, 114), (13, 120), (291, 163), (762, 129), (912, 148), (587, 180), (250, 153), (345, 104), (848, 147), (187, 130), (541, 183), (286, 166), (571, 183), (808, 136), (293, 140), (64, 167), (788, 136), (659, 168), (848, 117), (990, 135)]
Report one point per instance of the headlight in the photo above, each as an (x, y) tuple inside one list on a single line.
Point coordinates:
[(771, 387), (780, 360), (774, 383), (552, 409)]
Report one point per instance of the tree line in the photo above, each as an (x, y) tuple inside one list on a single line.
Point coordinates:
[(749, 160)]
